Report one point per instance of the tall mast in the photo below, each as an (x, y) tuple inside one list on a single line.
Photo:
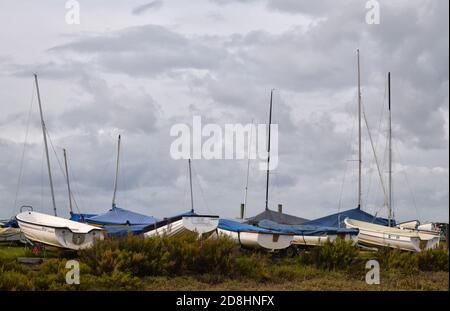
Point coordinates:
[(117, 173), (268, 152), (248, 168), (67, 180), (190, 186), (390, 150), (44, 133), (359, 135)]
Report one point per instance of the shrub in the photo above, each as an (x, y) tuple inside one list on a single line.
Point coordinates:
[(171, 256), (331, 256), (12, 280), (395, 259), (433, 260)]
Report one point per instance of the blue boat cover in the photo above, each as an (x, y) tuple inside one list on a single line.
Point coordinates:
[(236, 226), (120, 216), (308, 230), (80, 217), (337, 220), (124, 230), (11, 223)]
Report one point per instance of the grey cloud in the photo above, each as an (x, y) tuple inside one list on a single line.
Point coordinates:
[(230, 76), (153, 5), (147, 50)]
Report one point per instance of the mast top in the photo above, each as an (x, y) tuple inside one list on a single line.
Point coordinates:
[(117, 173)]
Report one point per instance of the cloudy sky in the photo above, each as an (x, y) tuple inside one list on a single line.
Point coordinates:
[(137, 67)]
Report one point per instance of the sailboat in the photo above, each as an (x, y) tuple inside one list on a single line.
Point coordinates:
[(303, 235), (337, 219), (390, 236), (119, 220), (187, 222), (252, 236), (54, 230)]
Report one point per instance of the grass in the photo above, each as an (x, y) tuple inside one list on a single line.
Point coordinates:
[(184, 263), (8, 250), (436, 281)]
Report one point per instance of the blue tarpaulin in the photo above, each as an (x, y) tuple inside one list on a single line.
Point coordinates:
[(236, 226), (11, 223), (124, 230), (80, 217), (337, 220), (307, 230), (119, 216)]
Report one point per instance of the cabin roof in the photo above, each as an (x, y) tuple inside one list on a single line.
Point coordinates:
[(277, 217)]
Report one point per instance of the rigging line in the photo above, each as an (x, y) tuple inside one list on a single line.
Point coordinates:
[(42, 178), (249, 152), (74, 189), (376, 160), (349, 147), (19, 178), (196, 178), (379, 131), (278, 194), (54, 151), (186, 200), (380, 121), (408, 184)]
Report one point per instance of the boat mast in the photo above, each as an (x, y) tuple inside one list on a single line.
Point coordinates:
[(390, 150), (117, 173), (190, 186), (268, 152), (44, 133), (67, 180), (359, 135), (248, 169)]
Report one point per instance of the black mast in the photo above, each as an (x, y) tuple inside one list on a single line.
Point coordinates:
[(268, 152)]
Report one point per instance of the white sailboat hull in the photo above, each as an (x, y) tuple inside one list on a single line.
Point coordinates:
[(57, 231), (199, 224), (310, 240), (10, 234), (377, 235), (313, 240), (269, 241)]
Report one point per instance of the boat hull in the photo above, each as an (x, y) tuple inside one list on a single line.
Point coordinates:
[(199, 224), (58, 232), (10, 234), (265, 240), (311, 240), (377, 235)]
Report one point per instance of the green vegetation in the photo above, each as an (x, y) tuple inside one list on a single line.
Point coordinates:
[(185, 263)]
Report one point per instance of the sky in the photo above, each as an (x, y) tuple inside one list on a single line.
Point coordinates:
[(138, 67)]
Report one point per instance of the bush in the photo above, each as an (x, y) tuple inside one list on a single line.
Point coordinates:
[(171, 256), (115, 281), (12, 280), (410, 263), (331, 256), (433, 260)]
